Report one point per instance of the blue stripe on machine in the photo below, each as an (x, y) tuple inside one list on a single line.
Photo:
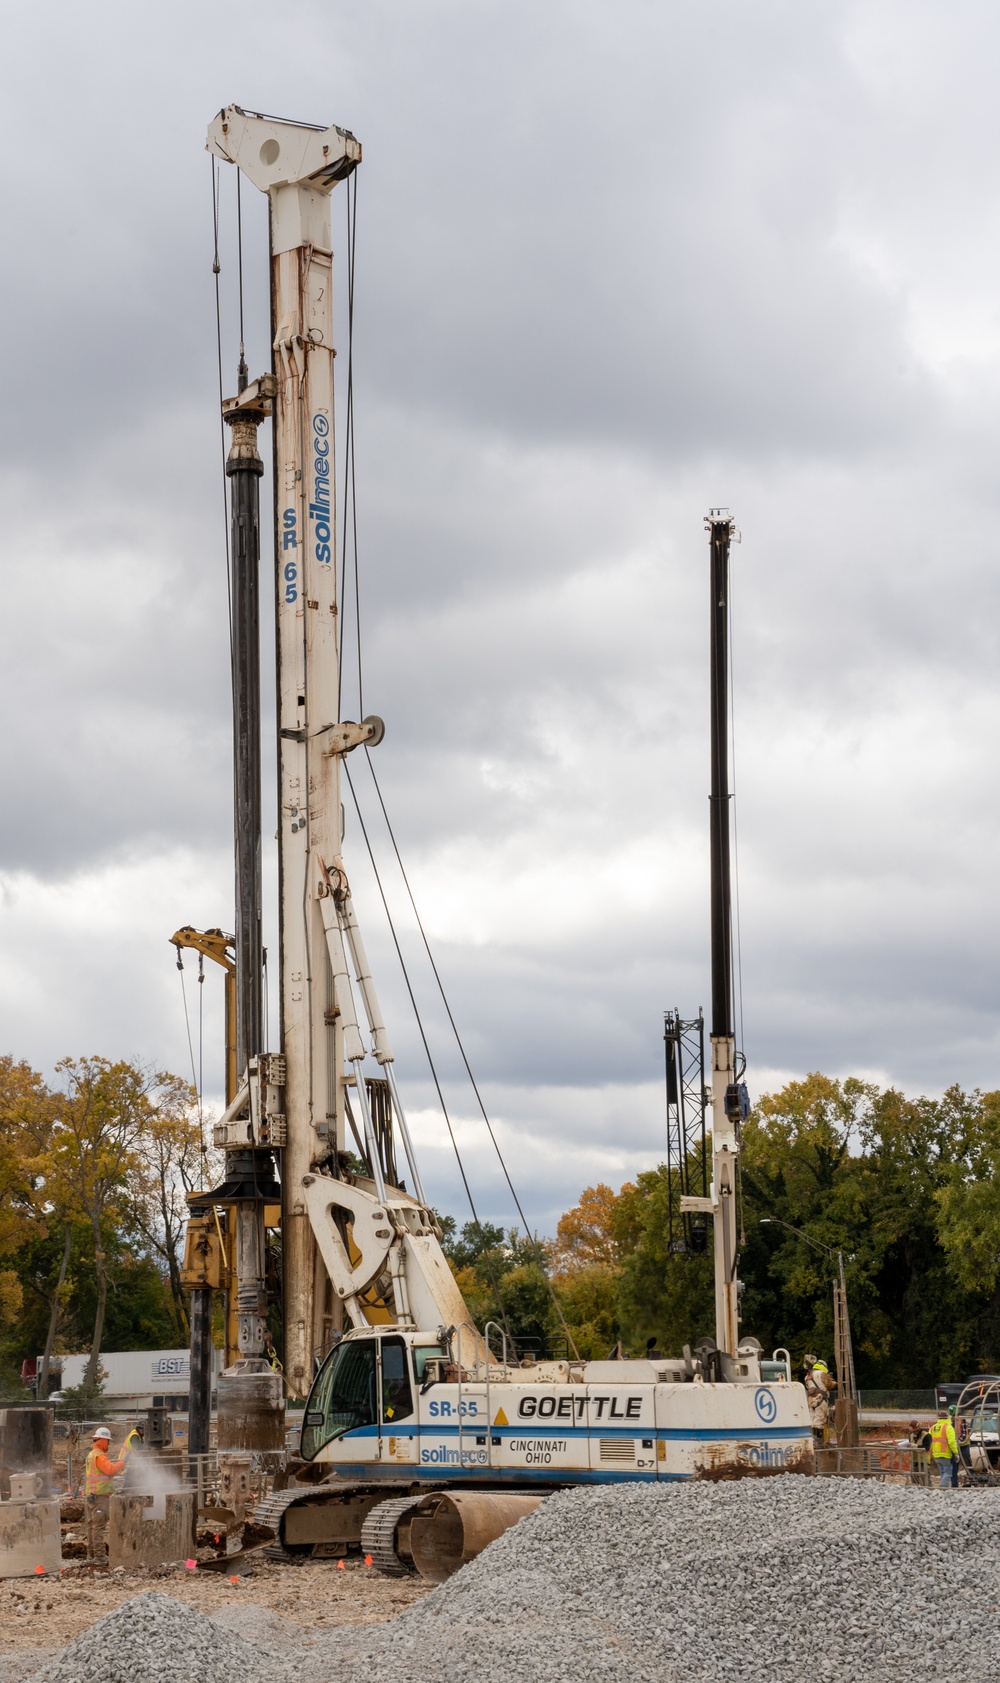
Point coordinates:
[(393, 1471), (670, 1434)]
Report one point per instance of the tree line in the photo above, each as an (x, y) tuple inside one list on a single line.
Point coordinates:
[(907, 1190), (94, 1169), (93, 1172)]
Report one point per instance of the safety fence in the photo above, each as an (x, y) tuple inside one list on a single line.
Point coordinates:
[(890, 1462)]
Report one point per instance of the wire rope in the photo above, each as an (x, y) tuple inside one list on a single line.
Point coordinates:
[(350, 480), (194, 1071), (462, 1053), (216, 271), (201, 1027), (427, 1050), (267, 1002), (239, 265)]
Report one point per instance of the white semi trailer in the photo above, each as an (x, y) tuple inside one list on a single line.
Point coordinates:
[(132, 1380), (423, 1435)]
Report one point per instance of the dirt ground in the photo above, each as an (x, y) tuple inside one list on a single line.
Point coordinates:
[(48, 1612)]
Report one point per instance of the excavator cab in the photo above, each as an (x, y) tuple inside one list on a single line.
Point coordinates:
[(363, 1389)]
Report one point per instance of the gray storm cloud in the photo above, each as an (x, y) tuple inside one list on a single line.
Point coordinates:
[(614, 266)]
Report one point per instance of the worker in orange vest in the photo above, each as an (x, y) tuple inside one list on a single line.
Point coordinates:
[(98, 1487)]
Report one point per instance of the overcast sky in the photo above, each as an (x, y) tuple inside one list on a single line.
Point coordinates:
[(616, 263)]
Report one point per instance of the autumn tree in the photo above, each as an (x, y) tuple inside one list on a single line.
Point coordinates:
[(102, 1116), (169, 1160), (586, 1234), (27, 1116)]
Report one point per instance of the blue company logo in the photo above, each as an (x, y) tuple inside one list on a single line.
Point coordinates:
[(765, 1404), (320, 510)]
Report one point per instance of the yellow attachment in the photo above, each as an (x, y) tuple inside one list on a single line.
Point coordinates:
[(221, 949), (203, 1261)]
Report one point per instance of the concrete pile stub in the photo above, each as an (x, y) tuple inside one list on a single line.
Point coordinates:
[(29, 1537), (146, 1532), (25, 1445)]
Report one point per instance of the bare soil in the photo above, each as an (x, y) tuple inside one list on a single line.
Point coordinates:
[(47, 1612)]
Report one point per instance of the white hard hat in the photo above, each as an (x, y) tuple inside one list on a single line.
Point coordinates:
[(102, 1432)]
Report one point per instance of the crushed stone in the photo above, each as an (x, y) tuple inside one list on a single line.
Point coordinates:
[(755, 1581), (158, 1638)]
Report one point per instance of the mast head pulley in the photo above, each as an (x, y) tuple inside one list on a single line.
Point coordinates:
[(273, 152)]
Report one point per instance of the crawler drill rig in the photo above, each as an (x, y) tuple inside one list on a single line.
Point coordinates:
[(423, 1435)]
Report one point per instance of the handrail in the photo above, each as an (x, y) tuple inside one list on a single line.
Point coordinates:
[(489, 1410)]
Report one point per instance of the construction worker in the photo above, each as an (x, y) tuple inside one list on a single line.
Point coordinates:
[(98, 1488), (819, 1382), (944, 1448)]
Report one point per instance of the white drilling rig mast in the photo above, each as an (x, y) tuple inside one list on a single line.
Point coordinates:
[(298, 167), (354, 1248)]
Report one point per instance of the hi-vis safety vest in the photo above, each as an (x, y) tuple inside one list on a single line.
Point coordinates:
[(98, 1482), (944, 1444)]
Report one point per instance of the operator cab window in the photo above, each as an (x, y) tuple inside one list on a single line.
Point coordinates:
[(397, 1394), (422, 1354), (343, 1396)]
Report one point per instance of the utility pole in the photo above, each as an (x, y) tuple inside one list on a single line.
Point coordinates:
[(846, 1417)]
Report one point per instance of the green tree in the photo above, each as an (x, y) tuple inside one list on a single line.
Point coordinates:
[(661, 1295), (589, 1298), (905, 1189)]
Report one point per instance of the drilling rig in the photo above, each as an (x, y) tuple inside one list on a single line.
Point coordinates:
[(423, 1435)]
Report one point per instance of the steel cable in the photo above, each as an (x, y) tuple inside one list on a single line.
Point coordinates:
[(427, 1051), (194, 1073), (350, 484), (468, 1068)]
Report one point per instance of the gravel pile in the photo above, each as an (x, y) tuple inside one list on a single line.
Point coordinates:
[(155, 1639), (757, 1580), (769, 1579)]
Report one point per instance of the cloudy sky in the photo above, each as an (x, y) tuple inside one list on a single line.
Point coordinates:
[(616, 263)]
